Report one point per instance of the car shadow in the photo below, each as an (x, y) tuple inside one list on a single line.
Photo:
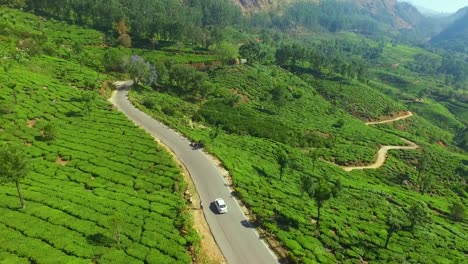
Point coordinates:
[(246, 224), (213, 208)]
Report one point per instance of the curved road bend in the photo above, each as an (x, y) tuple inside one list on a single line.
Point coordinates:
[(239, 243)]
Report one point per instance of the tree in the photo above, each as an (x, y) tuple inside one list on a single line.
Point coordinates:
[(13, 167), (114, 59), (77, 49), (141, 71), (394, 222), (124, 38), (457, 211), (418, 214), (320, 191), (49, 132), (282, 159), (423, 164), (425, 183), (13, 86), (88, 97), (313, 155), (252, 52), (279, 97), (424, 180), (154, 41), (214, 133), (225, 51)]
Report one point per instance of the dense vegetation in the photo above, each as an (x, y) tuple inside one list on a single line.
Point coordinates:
[(282, 124), (96, 188)]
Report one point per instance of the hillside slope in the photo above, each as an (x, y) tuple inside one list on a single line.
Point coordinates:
[(455, 36), (99, 190), (399, 15)]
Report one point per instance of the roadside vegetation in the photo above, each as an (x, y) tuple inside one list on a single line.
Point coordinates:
[(282, 124), (93, 187)]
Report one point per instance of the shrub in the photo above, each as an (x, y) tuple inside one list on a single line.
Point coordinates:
[(457, 211)]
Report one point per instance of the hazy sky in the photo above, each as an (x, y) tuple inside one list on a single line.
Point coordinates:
[(440, 5)]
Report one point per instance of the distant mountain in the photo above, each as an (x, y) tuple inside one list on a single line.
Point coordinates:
[(397, 14), (455, 36), (459, 14), (431, 13)]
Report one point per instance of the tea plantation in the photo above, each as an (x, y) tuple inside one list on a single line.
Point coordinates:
[(99, 189), (353, 225)]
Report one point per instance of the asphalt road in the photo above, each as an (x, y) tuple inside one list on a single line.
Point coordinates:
[(239, 243)]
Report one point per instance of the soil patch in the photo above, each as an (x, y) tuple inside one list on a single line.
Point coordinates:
[(243, 98), (61, 161), (32, 123)]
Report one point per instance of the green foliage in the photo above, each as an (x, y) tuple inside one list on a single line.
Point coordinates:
[(77, 182), (140, 70), (320, 191), (14, 166), (395, 222), (114, 60), (49, 132), (283, 162), (457, 212), (226, 52), (253, 52), (279, 96), (81, 180), (418, 214), (462, 139)]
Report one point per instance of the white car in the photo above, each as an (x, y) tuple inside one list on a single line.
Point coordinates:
[(221, 206)]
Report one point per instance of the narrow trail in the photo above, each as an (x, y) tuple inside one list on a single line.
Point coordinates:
[(408, 114), (381, 155)]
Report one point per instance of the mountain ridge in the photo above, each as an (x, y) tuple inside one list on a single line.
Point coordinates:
[(400, 15)]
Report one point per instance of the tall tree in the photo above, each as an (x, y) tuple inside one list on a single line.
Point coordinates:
[(88, 97), (320, 191), (122, 29), (226, 51), (141, 71), (457, 211), (279, 96), (282, 159), (418, 214), (425, 183), (423, 164), (394, 222), (313, 155), (13, 167), (252, 51)]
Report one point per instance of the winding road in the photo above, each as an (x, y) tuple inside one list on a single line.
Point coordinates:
[(381, 155), (238, 241)]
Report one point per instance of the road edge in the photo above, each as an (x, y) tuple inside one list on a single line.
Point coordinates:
[(219, 257)]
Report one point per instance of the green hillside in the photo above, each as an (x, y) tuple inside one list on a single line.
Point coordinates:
[(250, 141), (285, 124), (99, 189)]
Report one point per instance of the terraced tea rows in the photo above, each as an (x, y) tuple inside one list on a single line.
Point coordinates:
[(101, 190)]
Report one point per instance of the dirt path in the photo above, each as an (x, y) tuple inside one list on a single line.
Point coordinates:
[(381, 155), (408, 114)]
